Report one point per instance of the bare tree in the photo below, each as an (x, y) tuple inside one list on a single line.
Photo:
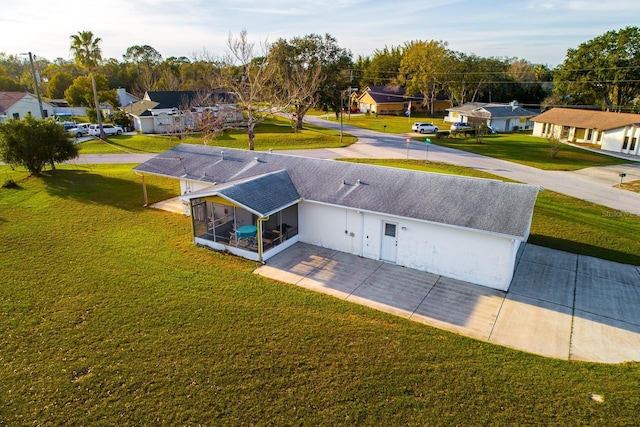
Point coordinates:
[(210, 113), (247, 76)]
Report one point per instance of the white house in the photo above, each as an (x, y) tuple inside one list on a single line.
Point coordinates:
[(256, 204), (170, 111), (16, 105), (500, 117), (617, 132)]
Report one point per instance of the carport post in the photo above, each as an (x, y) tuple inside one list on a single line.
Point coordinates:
[(144, 191)]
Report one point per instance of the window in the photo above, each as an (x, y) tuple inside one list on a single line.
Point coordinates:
[(625, 144), (389, 229), (633, 143), (45, 113), (16, 116)]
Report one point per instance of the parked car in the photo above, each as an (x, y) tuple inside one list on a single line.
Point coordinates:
[(461, 126), (108, 130), (424, 127), (81, 129), (68, 125)]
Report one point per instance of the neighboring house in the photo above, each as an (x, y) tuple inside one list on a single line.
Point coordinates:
[(171, 111), (500, 117), (392, 100), (16, 105), (619, 132), (256, 204), (125, 98)]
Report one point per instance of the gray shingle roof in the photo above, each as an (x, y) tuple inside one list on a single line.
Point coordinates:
[(487, 205), (492, 111), (263, 195)]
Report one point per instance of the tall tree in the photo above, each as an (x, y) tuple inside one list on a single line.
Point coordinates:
[(423, 69), (144, 56), (247, 75), (603, 71), (58, 84), (7, 83), (383, 68), (297, 75), (87, 54)]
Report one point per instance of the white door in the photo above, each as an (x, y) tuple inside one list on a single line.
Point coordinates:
[(389, 241)]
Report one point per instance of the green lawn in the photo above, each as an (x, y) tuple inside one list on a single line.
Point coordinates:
[(531, 151), (513, 147), (385, 123), (275, 133), (109, 315)]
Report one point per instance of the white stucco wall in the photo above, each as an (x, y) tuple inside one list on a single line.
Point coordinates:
[(613, 139), (189, 186), (330, 227), (463, 254)]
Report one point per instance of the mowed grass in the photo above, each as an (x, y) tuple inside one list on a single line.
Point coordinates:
[(559, 221), (110, 315), (275, 133), (531, 151), (386, 123)]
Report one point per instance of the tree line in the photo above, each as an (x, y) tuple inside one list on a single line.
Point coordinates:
[(313, 70)]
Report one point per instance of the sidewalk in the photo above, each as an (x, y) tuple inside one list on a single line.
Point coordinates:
[(559, 305)]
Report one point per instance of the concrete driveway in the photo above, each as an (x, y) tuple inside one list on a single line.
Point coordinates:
[(559, 305)]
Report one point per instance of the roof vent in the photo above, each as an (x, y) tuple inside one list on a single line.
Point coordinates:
[(222, 154), (358, 182)]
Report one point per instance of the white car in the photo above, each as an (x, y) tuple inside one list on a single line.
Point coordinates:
[(81, 129), (424, 127), (94, 130)]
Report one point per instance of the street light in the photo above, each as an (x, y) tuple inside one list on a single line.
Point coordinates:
[(349, 91), (35, 82)]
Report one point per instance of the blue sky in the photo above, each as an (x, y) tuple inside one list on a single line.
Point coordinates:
[(538, 31)]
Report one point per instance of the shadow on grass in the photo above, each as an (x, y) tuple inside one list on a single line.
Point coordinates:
[(584, 249), (93, 188)]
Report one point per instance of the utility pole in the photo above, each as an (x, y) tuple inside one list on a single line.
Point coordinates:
[(35, 83)]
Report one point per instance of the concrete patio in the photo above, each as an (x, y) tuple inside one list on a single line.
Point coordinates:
[(559, 305)]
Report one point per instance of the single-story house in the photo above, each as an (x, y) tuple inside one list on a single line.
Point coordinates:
[(171, 111), (500, 117), (256, 204), (16, 105), (392, 100), (617, 132)]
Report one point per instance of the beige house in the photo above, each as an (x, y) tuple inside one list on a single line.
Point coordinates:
[(617, 132)]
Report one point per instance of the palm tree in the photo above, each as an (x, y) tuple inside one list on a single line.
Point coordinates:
[(88, 55)]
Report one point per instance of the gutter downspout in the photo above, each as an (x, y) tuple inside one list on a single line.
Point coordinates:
[(259, 235)]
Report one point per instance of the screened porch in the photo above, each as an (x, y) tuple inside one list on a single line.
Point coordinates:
[(223, 225)]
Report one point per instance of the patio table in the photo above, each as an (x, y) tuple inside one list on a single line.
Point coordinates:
[(246, 231)]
